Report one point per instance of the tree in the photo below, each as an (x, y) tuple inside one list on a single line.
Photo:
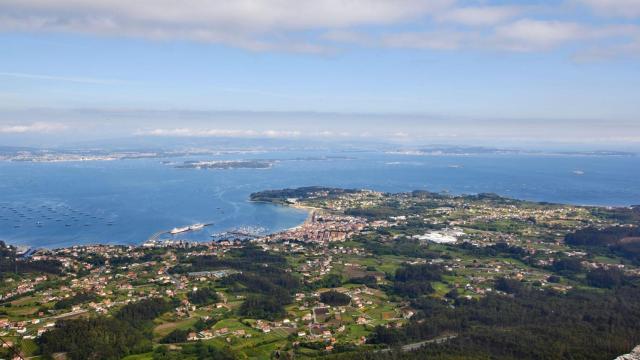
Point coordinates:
[(204, 296), (605, 278), (335, 298), (510, 286), (413, 281), (176, 336), (262, 307)]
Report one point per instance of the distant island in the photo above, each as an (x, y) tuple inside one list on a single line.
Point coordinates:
[(33, 154), (478, 150), (226, 164)]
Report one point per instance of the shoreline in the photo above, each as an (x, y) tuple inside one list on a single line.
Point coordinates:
[(310, 210)]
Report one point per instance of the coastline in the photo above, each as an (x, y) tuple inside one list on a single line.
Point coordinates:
[(76, 238)]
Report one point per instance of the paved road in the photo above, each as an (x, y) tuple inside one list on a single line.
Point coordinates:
[(418, 345)]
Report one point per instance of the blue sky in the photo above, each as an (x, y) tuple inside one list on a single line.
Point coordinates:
[(566, 71)]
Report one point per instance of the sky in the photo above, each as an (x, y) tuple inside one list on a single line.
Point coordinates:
[(417, 71)]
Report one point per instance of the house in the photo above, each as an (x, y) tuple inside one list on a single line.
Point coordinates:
[(205, 334), (407, 314), (222, 331)]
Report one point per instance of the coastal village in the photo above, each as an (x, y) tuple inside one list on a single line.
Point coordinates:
[(346, 246)]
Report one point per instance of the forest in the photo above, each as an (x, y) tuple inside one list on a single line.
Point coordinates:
[(335, 298), (621, 240), (10, 263), (103, 337), (532, 324), (281, 196)]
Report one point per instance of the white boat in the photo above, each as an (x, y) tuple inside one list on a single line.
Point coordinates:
[(196, 227), (178, 230)]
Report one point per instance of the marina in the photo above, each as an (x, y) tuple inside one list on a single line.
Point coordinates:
[(157, 238)]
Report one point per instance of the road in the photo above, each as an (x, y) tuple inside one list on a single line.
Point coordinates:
[(418, 345)]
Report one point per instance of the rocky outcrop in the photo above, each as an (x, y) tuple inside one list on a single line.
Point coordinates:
[(633, 355)]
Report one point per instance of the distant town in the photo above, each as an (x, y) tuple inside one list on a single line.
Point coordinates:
[(26, 154)]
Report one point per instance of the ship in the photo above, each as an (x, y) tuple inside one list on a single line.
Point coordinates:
[(178, 230), (193, 227)]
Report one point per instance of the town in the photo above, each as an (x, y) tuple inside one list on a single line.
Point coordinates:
[(360, 263)]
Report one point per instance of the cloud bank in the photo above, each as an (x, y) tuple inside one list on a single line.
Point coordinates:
[(37, 127), (600, 28), (87, 124)]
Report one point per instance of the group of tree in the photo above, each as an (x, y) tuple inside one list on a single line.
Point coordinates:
[(401, 246), (274, 283), (533, 324), (181, 335), (606, 278), (509, 286), (328, 281), (195, 351), (176, 336), (263, 279), (368, 280), (248, 258), (11, 263), (262, 307), (621, 240), (499, 249), (105, 337), (282, 196), (567, 266), (94, 338), (203, 296), (335, 298), (80, 298), (413, 281), (622, 215)]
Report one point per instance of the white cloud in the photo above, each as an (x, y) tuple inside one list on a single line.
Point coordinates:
[(480, 15), (37, 127), (437, 40), (240, 133), (322, 26), (248, 24), (238, 14), (621, 8), (529, 35)]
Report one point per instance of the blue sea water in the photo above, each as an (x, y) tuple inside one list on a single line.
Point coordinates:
[(125, 202)]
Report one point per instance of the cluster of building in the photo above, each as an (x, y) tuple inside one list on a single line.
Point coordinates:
[(22, 287), (322, 229)]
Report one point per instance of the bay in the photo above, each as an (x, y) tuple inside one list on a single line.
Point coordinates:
[(127, 201)]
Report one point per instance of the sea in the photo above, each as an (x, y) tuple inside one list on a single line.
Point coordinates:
[(61, 204)]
